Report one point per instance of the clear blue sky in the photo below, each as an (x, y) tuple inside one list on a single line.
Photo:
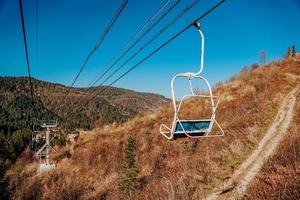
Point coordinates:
[(68, 29)]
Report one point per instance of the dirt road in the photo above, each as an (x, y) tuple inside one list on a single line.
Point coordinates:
[(236, 186)]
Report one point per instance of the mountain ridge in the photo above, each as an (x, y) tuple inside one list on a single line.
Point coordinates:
[(121, 104)]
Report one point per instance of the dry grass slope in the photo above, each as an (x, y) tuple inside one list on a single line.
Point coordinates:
[(280, 175), (181, 169)]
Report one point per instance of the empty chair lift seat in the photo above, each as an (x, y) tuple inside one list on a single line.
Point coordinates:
[(196, 128), (191, 127)]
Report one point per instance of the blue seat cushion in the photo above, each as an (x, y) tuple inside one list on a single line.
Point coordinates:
[(192, 126)]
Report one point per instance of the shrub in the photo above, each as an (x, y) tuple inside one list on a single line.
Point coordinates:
[(254, 66), (128, 179), (30, 190), (17, 143)]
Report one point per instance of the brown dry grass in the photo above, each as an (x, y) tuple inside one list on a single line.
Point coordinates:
[(181, 169), (280, 176)]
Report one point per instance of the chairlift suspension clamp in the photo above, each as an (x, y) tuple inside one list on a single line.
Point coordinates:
[(196, 24)]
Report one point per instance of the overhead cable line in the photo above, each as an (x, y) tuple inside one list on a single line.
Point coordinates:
[(37, 37), (160, 47), (100, 40), (177, 17), (126, 46), (99, 77), (26, 49)]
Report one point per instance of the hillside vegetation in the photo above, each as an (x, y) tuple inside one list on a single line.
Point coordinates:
[(75, 110), (280, 175), (19, 114), (133, 161)]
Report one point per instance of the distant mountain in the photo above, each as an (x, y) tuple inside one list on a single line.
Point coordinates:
[(76, 110)]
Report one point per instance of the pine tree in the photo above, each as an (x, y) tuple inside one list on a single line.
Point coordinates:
[(293, 52), (128, 182), (289, 53)]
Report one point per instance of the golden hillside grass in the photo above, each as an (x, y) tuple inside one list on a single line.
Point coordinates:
[(181, 169), (280, 175)]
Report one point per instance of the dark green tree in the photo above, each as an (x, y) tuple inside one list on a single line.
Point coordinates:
[(255, 66), (128, 182), (289, 53), (3, 180), (16, 144), (293, 51)]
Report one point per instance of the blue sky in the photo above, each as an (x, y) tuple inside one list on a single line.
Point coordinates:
[(235, 34)]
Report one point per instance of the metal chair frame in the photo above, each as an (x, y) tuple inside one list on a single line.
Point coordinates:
[(170, 133)]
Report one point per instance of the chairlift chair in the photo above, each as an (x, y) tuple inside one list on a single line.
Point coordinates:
[(195, 128)]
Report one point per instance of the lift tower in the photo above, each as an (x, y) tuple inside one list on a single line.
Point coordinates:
[(262, 58), (44, 152)]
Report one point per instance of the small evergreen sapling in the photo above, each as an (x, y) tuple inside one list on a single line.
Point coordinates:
[(128, 182)]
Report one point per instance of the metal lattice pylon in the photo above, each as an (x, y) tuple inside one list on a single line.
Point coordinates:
[(44, 152)]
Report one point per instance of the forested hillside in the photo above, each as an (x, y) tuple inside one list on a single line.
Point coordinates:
[(19, 114), (75, 110)]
